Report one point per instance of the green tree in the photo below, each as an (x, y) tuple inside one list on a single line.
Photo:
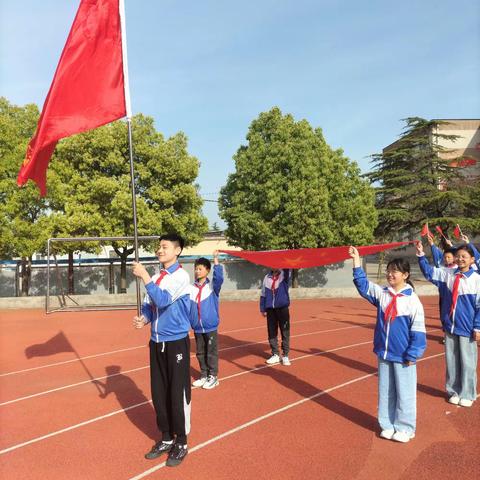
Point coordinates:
[(291, 190), (24, 223), (89, 181), (416, 183)]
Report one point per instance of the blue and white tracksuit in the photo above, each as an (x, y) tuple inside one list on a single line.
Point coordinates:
[(277, 297), (204, 319), (437, 256), (395, 342), (166, 307), (460, 347), (476, 254), (274, 301)]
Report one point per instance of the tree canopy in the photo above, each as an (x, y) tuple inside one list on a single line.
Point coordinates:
[(416, 183), (290, 189), (89, 185), (22, 212)]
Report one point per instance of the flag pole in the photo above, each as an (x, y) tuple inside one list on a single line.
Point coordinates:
[(128, 108)]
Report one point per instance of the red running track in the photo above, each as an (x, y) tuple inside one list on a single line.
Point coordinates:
[(75, 401)]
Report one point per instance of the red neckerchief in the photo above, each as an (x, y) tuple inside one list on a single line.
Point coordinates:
[(456, 284), (164, 273), (391, 310), (274, 280), (198, 298)]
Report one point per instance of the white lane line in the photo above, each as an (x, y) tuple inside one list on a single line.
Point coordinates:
[(112, 352), (45, 392), (267, 415), (78, 425), (73, 360)]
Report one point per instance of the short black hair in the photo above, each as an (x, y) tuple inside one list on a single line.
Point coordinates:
[(401, 265), (451, 250), (203, 261), (174, 238), (467, 248)]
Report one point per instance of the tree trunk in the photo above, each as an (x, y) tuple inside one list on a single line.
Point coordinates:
[(123, 254), (71, 283), (25, 275), (381, 262), (295, 278), (123, 273)]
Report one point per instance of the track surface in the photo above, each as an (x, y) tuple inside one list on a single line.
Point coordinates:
[(75, 401)]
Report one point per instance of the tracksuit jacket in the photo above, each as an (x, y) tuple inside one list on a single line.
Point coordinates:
[(466, 316), (404, 338), (279, 297), (167, 306), (204, 316)]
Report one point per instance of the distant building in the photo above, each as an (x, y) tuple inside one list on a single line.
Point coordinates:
[(464, 152), (211, 241)]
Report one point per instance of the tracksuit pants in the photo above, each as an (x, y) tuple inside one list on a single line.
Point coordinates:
[(461, 356), (207, 353), (397, 396), (278, 317), (171, 390)]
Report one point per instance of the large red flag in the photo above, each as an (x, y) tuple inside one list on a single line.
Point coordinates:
[(307, 257), (88, 87)]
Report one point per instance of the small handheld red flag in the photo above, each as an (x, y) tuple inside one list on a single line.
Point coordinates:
[(440, 231), (425, 231), (457, 232), (87, 90)]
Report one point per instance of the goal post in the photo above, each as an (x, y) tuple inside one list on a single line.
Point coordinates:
[(95, 272)]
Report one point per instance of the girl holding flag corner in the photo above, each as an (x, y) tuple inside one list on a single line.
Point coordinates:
[(399, 340)]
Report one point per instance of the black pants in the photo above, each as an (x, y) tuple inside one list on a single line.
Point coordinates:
[(207, 353), (170, 384), (278, 317)]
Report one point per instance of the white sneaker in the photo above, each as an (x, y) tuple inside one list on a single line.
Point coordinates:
[(200, 382), (388, 434), (273, 360), (286, 361), (465, 403), (454, 399), (403, 437), (211, 382)]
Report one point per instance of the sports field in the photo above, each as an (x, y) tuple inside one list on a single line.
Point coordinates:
[(75, 401)]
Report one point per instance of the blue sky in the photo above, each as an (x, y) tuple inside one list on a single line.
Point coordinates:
[(208, 68)]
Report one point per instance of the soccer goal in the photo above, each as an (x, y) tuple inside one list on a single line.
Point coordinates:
[(93, 273)]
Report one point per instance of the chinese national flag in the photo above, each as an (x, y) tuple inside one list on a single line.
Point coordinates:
[(307, 257), (456, 231), (87, 90)]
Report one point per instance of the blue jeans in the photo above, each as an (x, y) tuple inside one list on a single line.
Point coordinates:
[(461, 359), (397, 396)]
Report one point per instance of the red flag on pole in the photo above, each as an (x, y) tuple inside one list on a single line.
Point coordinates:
[(426, 231), (457, 232), (87, 90)]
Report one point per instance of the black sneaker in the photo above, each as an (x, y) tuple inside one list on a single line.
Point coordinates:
[(159, 448), (176, 455)]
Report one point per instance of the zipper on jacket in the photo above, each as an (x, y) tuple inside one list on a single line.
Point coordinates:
[(386, 341)]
